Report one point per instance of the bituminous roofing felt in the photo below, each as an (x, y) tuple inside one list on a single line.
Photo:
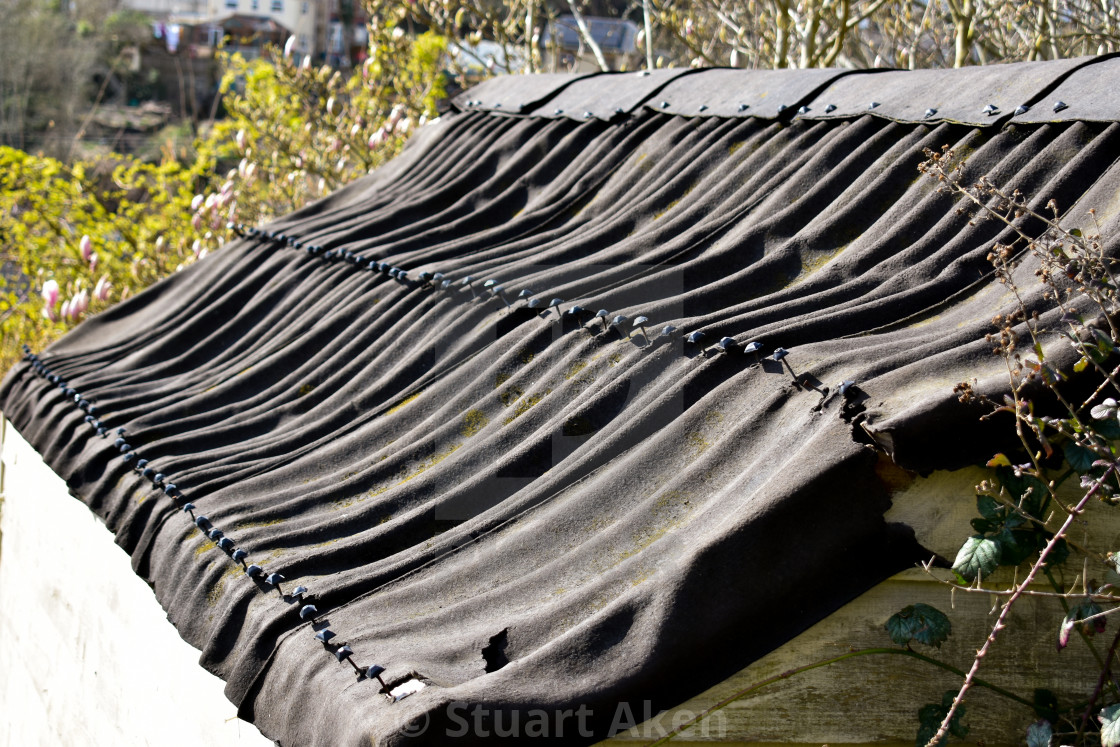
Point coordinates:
[(538, 510)]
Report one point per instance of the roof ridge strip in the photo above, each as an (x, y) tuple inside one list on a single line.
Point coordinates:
[(795, 107), (461, 103), (684, 74), (1033, 101)]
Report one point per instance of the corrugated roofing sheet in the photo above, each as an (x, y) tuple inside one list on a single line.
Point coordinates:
[(537, 507)]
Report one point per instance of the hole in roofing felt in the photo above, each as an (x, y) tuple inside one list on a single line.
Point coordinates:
[(495, 651)]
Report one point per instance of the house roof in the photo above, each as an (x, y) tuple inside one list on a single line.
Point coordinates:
[(540, 511)]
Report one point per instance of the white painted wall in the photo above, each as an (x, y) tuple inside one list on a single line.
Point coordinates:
[(87, 656)]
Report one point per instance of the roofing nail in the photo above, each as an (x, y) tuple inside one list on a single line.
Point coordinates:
[(618, 322), (1021, 109), (726, 344), (437, 277), (344, 653), (872, 105), (1059, 105), (640, 323), (254, 570), (779, 354), (274, 579), (575, 310), (226, 544), (325, 635), (445, 284), (374, 673), (158, 478), (929, 113), (215, 534), (744, 107), (524, 293), (753, 347), (555, 304), (847, 389), (172, 490), (402, 275), (500, 292), (298, 592), (830, 108), (782, 107), (588, 115), (141, 464), (558, 112), (602, 315), (307, 611), (667, 330), (803, 110), (424, 276), (703, 108), (188, 508), (240, 554), (534, 303), (201, 521), (990, 109), (664, 104), (126, 456), (695, 337)]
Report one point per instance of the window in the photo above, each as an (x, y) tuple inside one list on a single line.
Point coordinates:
[(305, 8), (277, 6), (231, 3), (255, 4)]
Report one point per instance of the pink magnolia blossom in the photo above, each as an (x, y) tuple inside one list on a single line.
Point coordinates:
[(64, 311), (102, 289), (240, 140), (196, 203), (85, 246), (50, 293), (50, 314), (289, 46), (93, 259)]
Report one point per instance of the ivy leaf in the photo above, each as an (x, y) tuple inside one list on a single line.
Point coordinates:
[(931, 715), (978, 556), (919, 622), (1079, 458), (1081, 365), (1039, 734), (1110, 726)]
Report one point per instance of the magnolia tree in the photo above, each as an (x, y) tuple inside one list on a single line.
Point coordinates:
[(75, 238)]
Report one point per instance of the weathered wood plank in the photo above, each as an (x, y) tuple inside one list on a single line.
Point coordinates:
[(875, 699)]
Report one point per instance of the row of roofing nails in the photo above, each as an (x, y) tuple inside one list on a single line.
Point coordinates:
[(307, 612), (438, 281)]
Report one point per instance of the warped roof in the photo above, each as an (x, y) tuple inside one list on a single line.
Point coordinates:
[(535, 508)]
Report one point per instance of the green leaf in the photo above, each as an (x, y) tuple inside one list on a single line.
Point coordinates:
[(990, 508), (931, 715), (1079, 458), (978, 556), (919, 622), (1039, 734), (1110, 726), (1016, 545), (982, 525), (1045, 704), (1059, 554)]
